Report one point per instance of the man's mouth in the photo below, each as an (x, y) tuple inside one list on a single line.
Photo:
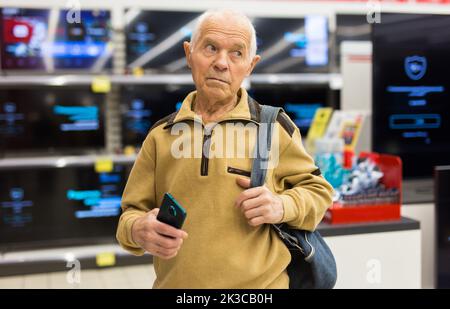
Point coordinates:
[(218, 79)]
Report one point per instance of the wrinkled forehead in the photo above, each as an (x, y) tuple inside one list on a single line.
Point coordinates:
[(226, 27)]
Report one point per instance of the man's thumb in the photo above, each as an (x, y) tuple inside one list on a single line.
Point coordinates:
[(243, 182)]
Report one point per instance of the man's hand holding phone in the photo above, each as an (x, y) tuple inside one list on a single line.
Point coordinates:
[(156, 237)]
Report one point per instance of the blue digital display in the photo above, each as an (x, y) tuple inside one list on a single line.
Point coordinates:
[(55, 119), (83, 118), (411, 114), (154, 39), (36, 39), (16, 212), (300, 104), (292, 45), (69, 205), (143, 106), (304, 113), (102, 202)]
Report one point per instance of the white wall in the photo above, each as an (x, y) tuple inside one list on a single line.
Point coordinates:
[(425, 214), (389, 260), (356, 93)]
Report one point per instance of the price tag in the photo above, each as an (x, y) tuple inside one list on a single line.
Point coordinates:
[(101, 84), (105, 259)]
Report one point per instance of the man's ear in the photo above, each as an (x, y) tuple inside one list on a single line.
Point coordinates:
[(187, 52), (255, 60)]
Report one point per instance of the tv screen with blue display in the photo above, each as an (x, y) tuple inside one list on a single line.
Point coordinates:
[(154, 39), (292, 45), (411, 90), (47, 40), (299, 103), (143, 106), (52, 119), (60, 206)]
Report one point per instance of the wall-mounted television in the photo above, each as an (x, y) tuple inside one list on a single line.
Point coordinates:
[(51, 119), (50, 206), (55, 40), (154, 39), (143, 106), (292, 45), (411, 90), (298, 102)]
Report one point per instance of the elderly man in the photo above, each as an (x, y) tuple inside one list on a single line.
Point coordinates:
[(230, 243)]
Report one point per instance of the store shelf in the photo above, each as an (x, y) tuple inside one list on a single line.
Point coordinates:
[(59, 259), (77, 80), (334, 81), (404, 224), (63, 161)]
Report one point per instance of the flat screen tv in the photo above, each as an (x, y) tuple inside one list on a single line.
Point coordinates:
[(292, 45), (154, 39), (411, 90), (55, 40), (51, 119), (143, 106), (50, 206), (299, 103)]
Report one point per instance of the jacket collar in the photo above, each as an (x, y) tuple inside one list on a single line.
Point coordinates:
[(247, 109)]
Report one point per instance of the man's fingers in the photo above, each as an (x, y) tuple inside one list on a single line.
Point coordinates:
[(252, 203), (154, 211), (167, 230), (243, 182), (167, 243), (156, 250), (256, 221), (255, 212), (248, 194)]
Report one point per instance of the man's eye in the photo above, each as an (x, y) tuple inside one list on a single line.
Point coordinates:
[(210, 48), (238, 53)]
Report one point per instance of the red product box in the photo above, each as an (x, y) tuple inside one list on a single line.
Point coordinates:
[(391, 166)]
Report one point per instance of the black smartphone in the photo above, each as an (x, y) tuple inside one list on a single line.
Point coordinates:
[(171, 212)]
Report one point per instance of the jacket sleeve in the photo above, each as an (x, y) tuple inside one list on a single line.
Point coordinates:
[(138, 197), (306, 195)]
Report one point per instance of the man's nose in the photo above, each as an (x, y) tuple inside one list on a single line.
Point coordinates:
[(221, 61)]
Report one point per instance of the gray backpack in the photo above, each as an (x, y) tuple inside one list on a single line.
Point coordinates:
[(312, 265)]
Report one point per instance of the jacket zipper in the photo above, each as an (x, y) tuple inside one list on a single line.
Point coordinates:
[(207, 143), (205, 153)]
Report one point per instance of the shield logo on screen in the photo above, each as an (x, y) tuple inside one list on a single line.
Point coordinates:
[(415, 67), (16, 194)]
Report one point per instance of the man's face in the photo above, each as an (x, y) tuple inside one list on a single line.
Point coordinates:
[(220, 59)]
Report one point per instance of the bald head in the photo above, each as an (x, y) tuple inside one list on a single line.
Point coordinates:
[(225, 18)]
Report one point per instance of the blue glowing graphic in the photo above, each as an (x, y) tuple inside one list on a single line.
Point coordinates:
[(83, 194), (74, 50), (109, 178), (304, 113), (102, 202), (16, 194), (299, 39), (84, 118), (415, 121), (138, 117), (16, 213), (416, 91), (415, 67)]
